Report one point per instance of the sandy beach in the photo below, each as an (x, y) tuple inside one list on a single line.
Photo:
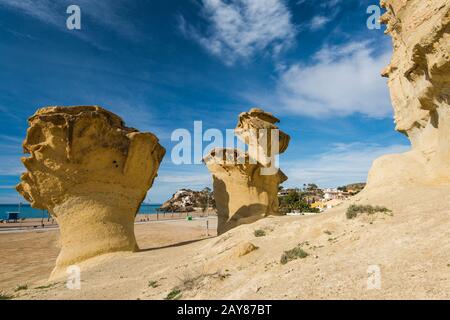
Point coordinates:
[(27, 257), (38, 223)]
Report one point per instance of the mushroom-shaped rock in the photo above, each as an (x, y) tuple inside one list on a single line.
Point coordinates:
[(246, 190), (243, 194), (91, 173), (419, 82)]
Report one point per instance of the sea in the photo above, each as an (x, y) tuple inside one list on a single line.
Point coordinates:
[(26, 211)]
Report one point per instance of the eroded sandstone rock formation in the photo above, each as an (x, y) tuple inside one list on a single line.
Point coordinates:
[(91, 172), (419, 82), (246, 183), (254, 128)]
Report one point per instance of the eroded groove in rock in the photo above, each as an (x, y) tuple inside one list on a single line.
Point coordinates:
[(91, 173)]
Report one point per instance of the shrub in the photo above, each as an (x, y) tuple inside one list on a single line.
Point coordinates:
[(354, 210), (259, 233), (296, 253), (21, 287), (153, 284), (4, 296), (45, 286), (174, 294)]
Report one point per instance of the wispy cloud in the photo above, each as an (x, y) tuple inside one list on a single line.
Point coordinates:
[(7, 187), (11, 152), (44, 10), (195, 179), (330, 3), (340, 81), (322, 4), (324, 13), (239, 28), (100, 12), (11, 165), (343, 164), (318, 22), (12, 139), (11, 199)]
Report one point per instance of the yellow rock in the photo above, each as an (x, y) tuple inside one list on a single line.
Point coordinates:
[(244, 249), (243, 191), (419, 82), (91, 173), (254, 128)]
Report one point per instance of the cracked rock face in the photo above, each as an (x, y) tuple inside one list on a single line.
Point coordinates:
[(91, 173), (419, 82), (246, 184)]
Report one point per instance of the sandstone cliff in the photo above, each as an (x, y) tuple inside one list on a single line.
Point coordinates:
[(419, 82)]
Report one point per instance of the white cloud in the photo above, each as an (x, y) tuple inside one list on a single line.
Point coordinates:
[(240, 28), (330, 3), (323, 3), (342, 80), (344, 164), (101, 12), (41, 9), (318, 22)]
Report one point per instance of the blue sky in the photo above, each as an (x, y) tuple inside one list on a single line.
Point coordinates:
[(161, 65)]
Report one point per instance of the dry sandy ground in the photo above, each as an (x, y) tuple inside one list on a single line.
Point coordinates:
[(29, 257), (411, 248)]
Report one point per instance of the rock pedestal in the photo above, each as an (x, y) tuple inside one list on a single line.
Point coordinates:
[(91, 173)]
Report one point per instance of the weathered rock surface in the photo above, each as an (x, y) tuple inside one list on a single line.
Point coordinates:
[(244, 190), (91, 173), (419, 82), (255, 128), (244, 249)]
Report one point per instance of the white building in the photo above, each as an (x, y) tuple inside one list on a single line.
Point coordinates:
[(333, 193)]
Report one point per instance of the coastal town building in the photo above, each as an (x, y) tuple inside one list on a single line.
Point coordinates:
[(333, 193)]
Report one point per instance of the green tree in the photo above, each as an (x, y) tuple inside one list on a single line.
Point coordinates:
[(295, 201)]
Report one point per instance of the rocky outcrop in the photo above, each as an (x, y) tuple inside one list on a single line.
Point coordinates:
[(255, 128), (91, 172), (246, 184), (419, 82), (186, 200)]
